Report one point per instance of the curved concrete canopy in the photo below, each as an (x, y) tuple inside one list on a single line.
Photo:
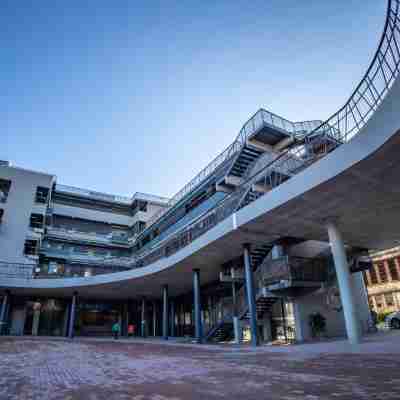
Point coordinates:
[(357, 184)]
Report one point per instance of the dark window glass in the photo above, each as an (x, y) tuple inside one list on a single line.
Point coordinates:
[(393, 269), (4, 189), (389, 299), (42, 194), (30, 247), (374, 276), (36, 221), (382, 272)]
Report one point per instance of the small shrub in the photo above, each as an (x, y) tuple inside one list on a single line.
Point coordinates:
[(382, 315), (317, 323)]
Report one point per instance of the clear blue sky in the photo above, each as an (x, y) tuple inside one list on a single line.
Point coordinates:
[(124, 96)]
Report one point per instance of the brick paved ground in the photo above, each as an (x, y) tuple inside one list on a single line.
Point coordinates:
[(41, 369)]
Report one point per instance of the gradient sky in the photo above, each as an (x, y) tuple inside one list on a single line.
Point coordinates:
[(124, 96)]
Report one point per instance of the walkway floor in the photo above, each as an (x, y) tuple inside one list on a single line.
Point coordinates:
[(98, 369)]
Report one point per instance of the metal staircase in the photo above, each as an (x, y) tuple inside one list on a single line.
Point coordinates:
[(247, 157), (263, 305), (221, 332)]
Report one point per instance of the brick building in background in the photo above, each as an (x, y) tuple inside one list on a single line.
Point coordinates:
[(383, 280)]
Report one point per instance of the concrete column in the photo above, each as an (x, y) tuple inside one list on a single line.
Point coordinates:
[(154, 318), (197, 306), (172, 322), (72, 316), (3, 315), (344, 279), (297, 322), (235, 318), (143, 321), (251, 297), (36, 319), (165, 312)]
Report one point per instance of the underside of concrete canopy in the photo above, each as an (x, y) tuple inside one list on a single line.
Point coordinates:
[(357, 185)]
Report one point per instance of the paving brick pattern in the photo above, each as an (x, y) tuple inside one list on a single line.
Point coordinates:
[(41, 369)]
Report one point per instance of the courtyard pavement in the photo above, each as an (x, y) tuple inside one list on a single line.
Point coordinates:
[(103, 369)]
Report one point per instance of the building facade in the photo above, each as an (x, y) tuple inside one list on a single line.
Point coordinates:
[(49, 230), (383, 281)]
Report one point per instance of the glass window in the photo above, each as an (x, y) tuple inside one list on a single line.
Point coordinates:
[(53, 267), (4, 190), (30, 247), (382, 272), (393, 269), (36, 221), (389, 299), (42, 194), (373, 274)]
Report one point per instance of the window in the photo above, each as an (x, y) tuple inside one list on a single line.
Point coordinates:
[(143, 206), (42, 194), (374, 276), (4, 189), (382, 272), (36, 221), (379, 301), (53, 267), (393, 269), (389, 299), (1, 214), (31, 247)]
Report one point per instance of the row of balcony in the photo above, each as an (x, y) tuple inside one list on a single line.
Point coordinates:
[(94, 237)]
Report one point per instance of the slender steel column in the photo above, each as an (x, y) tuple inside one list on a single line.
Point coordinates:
[(251, 297), (165, 312), (3, 314), (154, 318), (72, 317), (353, 327), (197, 306), (143, 324), (172, 311)]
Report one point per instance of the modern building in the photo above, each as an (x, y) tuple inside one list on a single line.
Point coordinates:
[(270, 236)]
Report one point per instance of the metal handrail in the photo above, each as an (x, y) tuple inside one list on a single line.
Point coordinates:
[(260, 118), (343, 126), (289, 159), (110, 197), (16, 270)]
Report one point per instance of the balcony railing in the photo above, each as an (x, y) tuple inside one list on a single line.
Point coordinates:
[(95, 237), (17, 270), (343, 125), (110, 197), (292, 269)]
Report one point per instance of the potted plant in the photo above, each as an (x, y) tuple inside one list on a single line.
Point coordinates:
[(317, 324)]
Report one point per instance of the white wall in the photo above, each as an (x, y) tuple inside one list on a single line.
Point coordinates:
[(17, 210), (335, 324)]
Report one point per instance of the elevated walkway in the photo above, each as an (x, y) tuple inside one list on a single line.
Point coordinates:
[(343, 183)]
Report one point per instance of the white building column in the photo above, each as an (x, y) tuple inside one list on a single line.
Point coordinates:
[(344, 280), (297, 322)]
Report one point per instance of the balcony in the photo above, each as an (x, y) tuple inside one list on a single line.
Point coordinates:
[(88, 237), (289, 272), (84, 256)]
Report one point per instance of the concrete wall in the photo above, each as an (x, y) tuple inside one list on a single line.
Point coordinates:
[(14, 228), (335, 324)]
